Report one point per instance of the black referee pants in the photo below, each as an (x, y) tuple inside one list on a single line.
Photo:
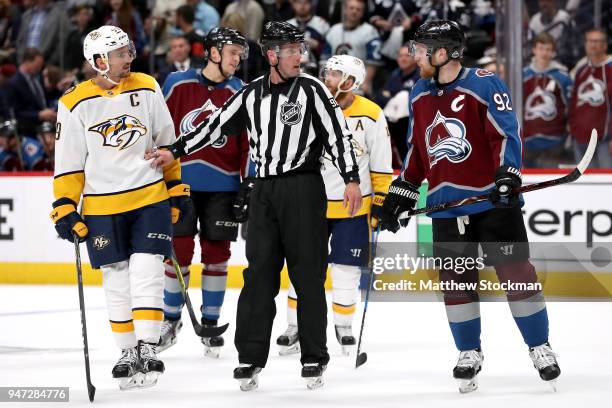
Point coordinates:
[(286, 222)]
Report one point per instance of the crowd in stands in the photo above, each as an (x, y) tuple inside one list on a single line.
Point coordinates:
[(566, 73)]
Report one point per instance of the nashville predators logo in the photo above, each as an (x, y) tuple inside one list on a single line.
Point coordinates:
[(122, 131)]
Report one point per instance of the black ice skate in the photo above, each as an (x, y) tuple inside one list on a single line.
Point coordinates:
[(212, 345), (466, 371), (345, 337), (151, 366), (169, 330), (289, 341), (545, 361), (313, 373), (127, 370), (248, 376)]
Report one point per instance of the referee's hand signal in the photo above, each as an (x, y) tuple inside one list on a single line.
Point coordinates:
[(352, 198)]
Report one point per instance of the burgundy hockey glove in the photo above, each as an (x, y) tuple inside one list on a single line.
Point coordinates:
[(507, 182), (402, 196)]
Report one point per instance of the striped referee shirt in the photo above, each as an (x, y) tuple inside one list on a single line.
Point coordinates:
[(288, 124)]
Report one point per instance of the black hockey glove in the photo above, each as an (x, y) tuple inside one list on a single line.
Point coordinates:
[(241, 204), (180, 203), (68, 221), (402, 196), (507, 182)]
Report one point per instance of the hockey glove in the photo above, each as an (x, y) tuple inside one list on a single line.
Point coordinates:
[(402, 196), (241, 204), (379, 199), (507, 182), (180, 203), (68, 221)]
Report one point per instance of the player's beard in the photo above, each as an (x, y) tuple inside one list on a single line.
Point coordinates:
[(427, 71)]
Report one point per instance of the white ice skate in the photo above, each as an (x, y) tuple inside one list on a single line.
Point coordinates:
[(248, 376), (151, 366), (313, 373), (466, 371), (289, 341), (127, 370), (545, 361), (345, 337)]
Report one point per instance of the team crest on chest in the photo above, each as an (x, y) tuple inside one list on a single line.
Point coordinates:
[(290, 113), (446, 138), (192, 119), (122, 131), (591, 92), (540, 104)]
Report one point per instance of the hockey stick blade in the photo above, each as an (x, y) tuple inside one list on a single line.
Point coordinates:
[(200, 330), (568, 178), (361, 359)]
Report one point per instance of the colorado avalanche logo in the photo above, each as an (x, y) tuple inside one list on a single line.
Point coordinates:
[(591, 91), (446, 138), (192, 119), (343, 49), (540, 104), (122, 131)]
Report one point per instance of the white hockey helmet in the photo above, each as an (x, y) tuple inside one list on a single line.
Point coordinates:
[(349, 66), (102, 41)]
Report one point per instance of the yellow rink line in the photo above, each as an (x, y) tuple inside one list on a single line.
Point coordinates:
[(571, 284)]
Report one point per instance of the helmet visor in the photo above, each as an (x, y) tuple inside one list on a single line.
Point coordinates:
[(418, 49), (292, 50), (239, 49), (122, 55)]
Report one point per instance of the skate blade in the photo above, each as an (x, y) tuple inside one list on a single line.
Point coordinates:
[(161, 348), (249, 384), (288, 350), (129, 383), (466, 386), (312, 383), (150, 379), (212, 352), (552, 384), (348, 350)]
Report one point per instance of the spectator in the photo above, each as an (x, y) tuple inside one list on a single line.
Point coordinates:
[(164, 17), (445, 10), (127, 18), (185, 16), (7, 70), (44, 27), (27, 96), (591, 104), (82, 24), (559, 24), (206, 16), (9, 25), (353, 37), (394, 100), (278, 10), (46, 139), (255, 65), (179, 59), (546, 95), (253, 15), (315, 28), (393, 19), (9, 158)]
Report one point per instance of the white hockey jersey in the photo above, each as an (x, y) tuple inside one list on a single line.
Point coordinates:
[(362, 42), (100, 144), (372, 145)]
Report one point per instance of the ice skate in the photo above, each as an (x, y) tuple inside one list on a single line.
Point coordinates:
[(151, 366), (466, 371), (212, 345), (169, 331), (345, 337), (313, 373), (248, 376), (545, 361), (289, 341), (127, 370)]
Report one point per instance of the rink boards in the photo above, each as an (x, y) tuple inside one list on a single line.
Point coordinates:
[(577, 213)]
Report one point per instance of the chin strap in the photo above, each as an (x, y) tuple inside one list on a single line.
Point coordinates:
[(279, 73), (437, 68), (220, 64), (105, 76)]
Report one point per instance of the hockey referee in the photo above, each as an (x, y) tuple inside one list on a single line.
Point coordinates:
[(290, 118)]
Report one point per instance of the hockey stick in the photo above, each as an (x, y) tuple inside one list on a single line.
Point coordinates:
[(199, 329), (91, 390), (361, 358), (568, 178)]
